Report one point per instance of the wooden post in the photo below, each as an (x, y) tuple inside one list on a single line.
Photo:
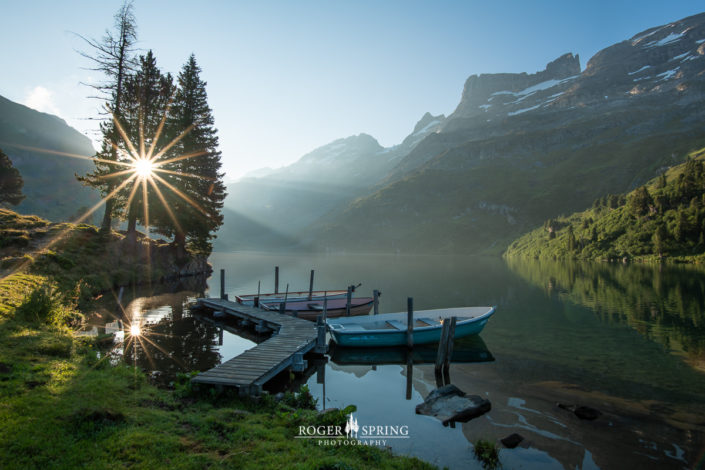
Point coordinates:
[(325, 307), (442, 346), (282, 307), (375, 294), (410, 322), (349, 301), (258, 285), (222, 283), (451, 338), (220, 337), (276, 279), (409, 374), (310, 286), (321, 338), (256, 301)]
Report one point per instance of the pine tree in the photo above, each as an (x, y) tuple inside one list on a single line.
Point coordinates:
[(197, 176), (571, 239), (114, 57), (10, 182), (147, 95)]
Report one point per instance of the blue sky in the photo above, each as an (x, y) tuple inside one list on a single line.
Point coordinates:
[(286, 77)]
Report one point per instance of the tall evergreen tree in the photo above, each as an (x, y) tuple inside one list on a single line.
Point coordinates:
[(10, 182), (197, 176), (147, 96), (114, 57)]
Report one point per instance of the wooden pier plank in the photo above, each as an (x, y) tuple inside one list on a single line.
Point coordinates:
[(255, 366)]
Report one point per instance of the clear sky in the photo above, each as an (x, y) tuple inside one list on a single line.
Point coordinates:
[(289, 76)]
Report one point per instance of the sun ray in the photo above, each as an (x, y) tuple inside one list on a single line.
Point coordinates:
[(179, 173), (132, 194), (182, 195), (166, 205), (182, 157), (127, 140), (63, 233), (145, 206), (172, 143), (63, 154), (117, 173), (159, 129)]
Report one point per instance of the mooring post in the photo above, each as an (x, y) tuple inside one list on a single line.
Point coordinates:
[(310, 286), (409, 374), (256, 301), (222, 283), (348, 302), (410, 322), (220, 337), (451, 338), (276, 279), (325, 307), (321, 338), (375, 294), (442, 346)]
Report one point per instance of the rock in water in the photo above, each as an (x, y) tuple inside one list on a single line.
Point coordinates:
[(512, 440), (585, 412), (449, 404)]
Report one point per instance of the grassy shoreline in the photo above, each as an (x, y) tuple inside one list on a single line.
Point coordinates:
[(64, 405)]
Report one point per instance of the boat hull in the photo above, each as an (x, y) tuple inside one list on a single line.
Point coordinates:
[(269, 298), (336, 308), (351, 337)]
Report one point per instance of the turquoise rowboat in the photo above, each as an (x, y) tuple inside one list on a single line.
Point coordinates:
[(390, 329)]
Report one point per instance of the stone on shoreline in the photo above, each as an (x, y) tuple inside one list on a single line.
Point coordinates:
[(450, 404)]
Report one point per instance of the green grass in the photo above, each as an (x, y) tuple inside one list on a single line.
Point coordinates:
[(487, 453), (63, 407)]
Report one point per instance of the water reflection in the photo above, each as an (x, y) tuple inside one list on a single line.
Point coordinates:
[(153, 329), (665, 304)]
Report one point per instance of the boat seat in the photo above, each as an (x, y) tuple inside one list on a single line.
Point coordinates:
[(397, 324), (346, 327), (429, 322)]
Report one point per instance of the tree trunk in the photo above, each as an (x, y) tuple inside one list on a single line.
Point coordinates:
[(107, 216), (180, 242)]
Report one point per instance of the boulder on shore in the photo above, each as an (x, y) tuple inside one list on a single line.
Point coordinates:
[(449, 404)]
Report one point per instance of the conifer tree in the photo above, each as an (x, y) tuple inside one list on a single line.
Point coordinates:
[(10, 182), (197, 176), (114, 57), (147, 95)]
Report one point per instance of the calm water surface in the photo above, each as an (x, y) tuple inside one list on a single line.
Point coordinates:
[(626, 340)]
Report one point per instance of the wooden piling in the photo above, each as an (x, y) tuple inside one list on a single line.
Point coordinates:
[(276, 279), (409, 374), (442, 346), (349, 301), (375, 294), (321, 338), (451, 339), (325, 307), (410, 322), (222, 283), (310, 286)]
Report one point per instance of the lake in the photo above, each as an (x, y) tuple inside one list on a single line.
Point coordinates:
[(627, 340)]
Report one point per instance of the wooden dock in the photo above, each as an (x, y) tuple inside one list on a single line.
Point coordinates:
[(291, 339)]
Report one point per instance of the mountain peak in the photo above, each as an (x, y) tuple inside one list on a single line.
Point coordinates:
[(427, 119), (480, 89)]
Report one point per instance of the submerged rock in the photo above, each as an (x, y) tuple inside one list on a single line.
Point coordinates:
[(512, 440), (582, 412), (450, 404)]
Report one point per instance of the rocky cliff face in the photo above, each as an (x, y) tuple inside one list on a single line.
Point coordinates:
[(521, 148), (511, 92)]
